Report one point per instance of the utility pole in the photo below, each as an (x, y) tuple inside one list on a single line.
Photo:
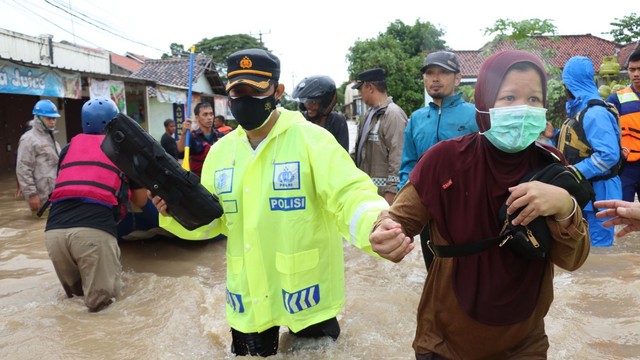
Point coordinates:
[(260, 33)]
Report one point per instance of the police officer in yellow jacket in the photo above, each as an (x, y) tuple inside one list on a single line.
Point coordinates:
[(290, 194)]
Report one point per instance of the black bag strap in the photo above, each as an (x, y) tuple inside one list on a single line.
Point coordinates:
[(463, 249), (482, 245), (44, 207), (123, 198), (617, 168), (468, 249)]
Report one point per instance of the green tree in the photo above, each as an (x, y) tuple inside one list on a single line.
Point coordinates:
[(177, 50), (520, 32), (340, 96), (626, 29), (222, 46), (288, 103), (468, 93), (556, 99), (218, 48), (400, 52)]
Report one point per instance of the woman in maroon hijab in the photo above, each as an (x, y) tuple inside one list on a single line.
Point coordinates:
[(492, 303)]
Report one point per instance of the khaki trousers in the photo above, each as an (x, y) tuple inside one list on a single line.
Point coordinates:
[(87, 262)]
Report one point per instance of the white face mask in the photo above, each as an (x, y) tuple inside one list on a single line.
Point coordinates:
[(514, 128)]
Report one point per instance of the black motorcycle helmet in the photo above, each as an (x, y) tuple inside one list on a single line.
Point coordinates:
[(319, 88)]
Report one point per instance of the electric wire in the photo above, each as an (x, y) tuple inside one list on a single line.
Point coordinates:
[(87, 20), (97, 26)]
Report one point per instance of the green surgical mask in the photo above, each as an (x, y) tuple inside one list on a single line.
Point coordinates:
[(514, 128)]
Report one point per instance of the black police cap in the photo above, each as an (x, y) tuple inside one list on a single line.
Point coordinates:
[(254, 67), (371, 75)]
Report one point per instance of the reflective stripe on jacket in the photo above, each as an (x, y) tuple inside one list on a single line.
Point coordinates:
[(87, 173), (288, 205)]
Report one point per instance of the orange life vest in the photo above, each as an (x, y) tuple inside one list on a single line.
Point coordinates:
[(630, 122)]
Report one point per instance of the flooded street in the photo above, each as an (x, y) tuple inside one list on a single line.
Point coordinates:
[(173, 303)]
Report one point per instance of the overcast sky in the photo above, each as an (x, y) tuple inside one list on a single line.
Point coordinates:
[(310, 37)]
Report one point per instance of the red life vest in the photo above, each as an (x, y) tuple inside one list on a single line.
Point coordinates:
[(197, 161), (87, 173)]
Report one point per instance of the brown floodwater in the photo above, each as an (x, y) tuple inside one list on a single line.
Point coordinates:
[(173, 303)]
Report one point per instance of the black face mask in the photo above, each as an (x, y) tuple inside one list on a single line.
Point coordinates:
[(251, 112)]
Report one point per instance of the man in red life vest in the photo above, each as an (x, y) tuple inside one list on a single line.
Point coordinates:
[(87, 202), (201, 139)]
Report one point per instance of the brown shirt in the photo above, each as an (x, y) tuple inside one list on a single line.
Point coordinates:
[(444, 328)]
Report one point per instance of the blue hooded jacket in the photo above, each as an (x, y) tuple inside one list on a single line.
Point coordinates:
[(600, 126), (603, 133), (431, 124)]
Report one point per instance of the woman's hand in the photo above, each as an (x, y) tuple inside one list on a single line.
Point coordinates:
[(388, 241), (538, 199)]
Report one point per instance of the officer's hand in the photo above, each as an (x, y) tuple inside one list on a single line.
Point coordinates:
[(159, 204), (186, 125)]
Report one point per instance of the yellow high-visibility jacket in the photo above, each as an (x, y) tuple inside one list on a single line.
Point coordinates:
[(287, 205)]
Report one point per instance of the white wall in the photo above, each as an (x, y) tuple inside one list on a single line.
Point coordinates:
[(36, 50), (158, 113), (202, 86)]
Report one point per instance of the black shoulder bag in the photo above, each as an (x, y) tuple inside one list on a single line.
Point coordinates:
[(532, 241)]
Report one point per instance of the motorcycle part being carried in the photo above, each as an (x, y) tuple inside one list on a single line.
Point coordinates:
[(143, 160)]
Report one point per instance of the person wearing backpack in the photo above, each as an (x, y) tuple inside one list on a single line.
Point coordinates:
[(590, 141), (627, 101)]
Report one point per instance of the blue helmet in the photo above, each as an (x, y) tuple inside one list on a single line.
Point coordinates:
[(97, 113), (46, 108)]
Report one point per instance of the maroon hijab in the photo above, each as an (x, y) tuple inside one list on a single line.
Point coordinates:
[(462, 183)]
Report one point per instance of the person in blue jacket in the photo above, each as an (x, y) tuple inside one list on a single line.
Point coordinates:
[(601, 132), (446, 117)]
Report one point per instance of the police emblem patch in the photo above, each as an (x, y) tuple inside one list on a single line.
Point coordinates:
[(223, 180), (286, 176)]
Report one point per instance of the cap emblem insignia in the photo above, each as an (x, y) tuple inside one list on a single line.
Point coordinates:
[(246, 63)]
